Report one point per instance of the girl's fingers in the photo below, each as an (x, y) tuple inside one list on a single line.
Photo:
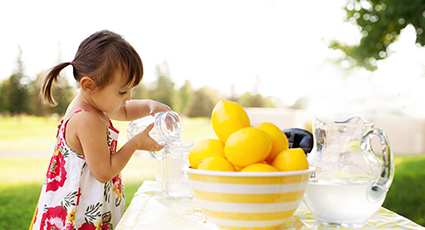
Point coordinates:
[(149, 127), (158, 147)]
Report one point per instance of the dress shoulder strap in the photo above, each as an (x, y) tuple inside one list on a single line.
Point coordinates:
[(65, 120)]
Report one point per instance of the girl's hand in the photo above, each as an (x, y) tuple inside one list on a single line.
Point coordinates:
[(138, 108), (155, 107), (145, 142)]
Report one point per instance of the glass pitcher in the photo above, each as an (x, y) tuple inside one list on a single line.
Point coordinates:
[(168, 128), (350, 182), (169, 163)]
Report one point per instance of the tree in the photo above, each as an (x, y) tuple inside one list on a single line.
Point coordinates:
[(163, 89), (5, 89), (249, 100), (380, 22), (39, 108), (62, 92), (204, 100), (255, 100), (15, 95), (233, 95), (300, 103), (140, 92), (184, 99)]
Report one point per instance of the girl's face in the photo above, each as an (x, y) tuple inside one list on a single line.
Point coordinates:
[(113, 96)]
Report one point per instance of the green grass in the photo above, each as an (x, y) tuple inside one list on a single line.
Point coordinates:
[(21, 178), (36, 133), (27, 133), (406, 196)]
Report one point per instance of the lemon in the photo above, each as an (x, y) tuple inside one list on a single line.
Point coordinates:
[(203, 149), (216, 163), (259, 167), (238, 168), (248, 146), (228, 117), (280, 141), (291, 160)]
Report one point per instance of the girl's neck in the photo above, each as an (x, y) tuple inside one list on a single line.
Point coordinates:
[(81, 101)]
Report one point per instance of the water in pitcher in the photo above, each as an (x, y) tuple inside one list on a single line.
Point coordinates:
[(341, 200), (350, 182)]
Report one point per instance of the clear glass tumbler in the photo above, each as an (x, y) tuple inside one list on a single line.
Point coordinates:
[(175, 182)]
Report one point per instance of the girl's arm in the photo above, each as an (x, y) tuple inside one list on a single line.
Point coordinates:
[(138, 108), (91, 133)]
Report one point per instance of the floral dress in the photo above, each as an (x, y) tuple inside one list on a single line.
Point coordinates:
[(71, 198)]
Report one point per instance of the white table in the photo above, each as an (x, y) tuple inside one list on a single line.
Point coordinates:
[(149, 210)]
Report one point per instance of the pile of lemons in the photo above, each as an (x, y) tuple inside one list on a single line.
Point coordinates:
[(240, 147)]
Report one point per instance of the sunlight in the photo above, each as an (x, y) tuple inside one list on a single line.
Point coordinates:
[(401, 74)]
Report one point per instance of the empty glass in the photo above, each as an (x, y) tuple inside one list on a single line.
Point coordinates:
[(175, 182)]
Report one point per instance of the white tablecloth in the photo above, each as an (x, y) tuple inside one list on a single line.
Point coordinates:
[(149, 210)]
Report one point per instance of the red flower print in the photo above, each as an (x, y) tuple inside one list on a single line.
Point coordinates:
[(56, 174), (106, 218), (105, 227), (117, 181), (69, 226), (106, 221), (87, 226), (113, 146), (78, 196), (53, 219)]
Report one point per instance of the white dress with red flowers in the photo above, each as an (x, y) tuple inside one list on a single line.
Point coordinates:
[(71, 198)]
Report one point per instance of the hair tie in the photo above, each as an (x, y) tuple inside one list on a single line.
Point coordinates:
[(70, 62)]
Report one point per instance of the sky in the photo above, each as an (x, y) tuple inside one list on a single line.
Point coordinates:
[(280, 46)]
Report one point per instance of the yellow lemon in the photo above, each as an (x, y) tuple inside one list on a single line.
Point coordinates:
[(203, 149), (216, 163), (291, 160), (280, 141), (248, 146), (228, 117), (238, 168), (259, 167)]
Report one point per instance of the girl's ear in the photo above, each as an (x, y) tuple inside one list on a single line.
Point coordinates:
[(88, 85)]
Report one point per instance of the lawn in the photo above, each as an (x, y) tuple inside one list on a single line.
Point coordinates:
[(21, 178)]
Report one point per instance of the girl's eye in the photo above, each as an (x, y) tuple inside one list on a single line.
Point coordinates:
[(122, 93)]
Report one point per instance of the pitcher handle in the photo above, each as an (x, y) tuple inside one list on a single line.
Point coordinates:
[(379, 189)]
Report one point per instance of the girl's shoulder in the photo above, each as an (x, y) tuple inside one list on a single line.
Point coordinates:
[(83, 129), (86, 119)]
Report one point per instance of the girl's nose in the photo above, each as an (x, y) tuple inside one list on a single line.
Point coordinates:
[(128, 98)]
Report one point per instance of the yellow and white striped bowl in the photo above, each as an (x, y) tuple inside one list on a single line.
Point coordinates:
[(249, 200)]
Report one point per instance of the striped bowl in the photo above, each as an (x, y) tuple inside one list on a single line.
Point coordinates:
[(248, 200)]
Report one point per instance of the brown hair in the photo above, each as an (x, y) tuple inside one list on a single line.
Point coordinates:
[(98, 57)]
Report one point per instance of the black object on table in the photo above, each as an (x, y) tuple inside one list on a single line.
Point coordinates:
[(299, 138)]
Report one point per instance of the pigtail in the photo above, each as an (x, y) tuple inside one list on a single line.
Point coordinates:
[(52, 77)]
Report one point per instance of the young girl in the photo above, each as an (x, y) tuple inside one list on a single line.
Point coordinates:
[(83, 187)]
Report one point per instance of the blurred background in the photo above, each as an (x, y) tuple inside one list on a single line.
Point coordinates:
[(285, 61), (321, 56)]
